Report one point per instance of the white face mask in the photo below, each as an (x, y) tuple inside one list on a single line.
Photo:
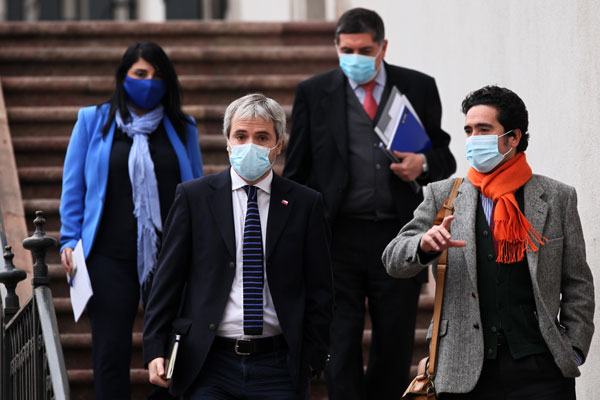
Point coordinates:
[(482, 151), (250, 160)]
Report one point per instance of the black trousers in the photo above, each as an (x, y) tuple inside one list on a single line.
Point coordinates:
[(112, 311), (359, 274), (534, 377)]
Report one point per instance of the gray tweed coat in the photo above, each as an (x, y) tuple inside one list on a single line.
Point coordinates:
[(561, 277)]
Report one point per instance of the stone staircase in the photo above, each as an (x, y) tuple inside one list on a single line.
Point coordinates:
[(49, 70)]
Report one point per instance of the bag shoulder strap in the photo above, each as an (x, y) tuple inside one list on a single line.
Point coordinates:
[(446, 210)]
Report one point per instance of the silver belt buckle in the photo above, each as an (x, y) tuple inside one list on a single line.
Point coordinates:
[(237, 347)]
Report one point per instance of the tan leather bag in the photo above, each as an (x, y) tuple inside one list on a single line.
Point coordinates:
[(422, 387)]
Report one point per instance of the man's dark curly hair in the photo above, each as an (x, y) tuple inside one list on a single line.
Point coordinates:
[(512, 113)]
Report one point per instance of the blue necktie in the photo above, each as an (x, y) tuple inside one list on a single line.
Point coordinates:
[(253, 275)]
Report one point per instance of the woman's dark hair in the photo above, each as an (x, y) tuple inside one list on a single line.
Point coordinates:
[(171, 102), (512, 113)]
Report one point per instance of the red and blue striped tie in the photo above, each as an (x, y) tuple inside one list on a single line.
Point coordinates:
[(253, 274)]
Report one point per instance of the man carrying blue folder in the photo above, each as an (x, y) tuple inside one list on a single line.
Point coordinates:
[(334, 149)]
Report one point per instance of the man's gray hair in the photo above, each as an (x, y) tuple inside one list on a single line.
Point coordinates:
[(253, 106)]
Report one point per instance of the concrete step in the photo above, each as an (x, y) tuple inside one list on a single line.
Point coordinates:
[(40, 158), (59, 120), (191, 33), (50, 208), (67, 324), (215, 60), (81, 384), (197, 89), (58, 281), (77, 350)]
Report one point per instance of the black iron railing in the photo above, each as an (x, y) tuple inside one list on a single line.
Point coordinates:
[(32, 366)]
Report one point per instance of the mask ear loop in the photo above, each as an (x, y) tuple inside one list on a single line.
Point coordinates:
[(273, 148), (504, 134), (276, 144)]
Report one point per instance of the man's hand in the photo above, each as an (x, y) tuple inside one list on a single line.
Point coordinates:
[(409, 168), (66, 258), (157, 372), (438, 238)]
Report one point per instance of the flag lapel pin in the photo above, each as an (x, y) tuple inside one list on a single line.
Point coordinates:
[(284, 202)]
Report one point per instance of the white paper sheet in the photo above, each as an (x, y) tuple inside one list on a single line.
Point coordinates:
[(81, 287), (394, 113)]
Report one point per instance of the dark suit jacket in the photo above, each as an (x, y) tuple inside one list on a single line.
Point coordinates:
[(197, 265), (317, 153)]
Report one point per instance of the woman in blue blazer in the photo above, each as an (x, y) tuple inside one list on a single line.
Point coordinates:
[(123, 163)]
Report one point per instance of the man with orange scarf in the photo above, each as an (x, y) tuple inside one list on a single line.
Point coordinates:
[(517, 317)]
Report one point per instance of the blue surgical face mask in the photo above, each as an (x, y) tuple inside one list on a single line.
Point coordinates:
[(359, 68), (145, 93), (250, 160), (482, 152)]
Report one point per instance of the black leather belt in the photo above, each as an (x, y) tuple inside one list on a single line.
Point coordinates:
[(248, 347)]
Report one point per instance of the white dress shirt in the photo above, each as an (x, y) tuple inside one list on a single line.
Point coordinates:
[(232, 322), (380, 80)]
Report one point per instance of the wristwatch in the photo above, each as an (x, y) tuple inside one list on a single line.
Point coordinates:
[(425, 166)]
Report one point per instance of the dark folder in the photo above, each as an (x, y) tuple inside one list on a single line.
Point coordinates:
[(410, 136)]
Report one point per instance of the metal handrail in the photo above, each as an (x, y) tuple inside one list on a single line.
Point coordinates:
[(32, 364)]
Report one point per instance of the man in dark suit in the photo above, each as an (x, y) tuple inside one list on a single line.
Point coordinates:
[(333, 148), (244, 274)]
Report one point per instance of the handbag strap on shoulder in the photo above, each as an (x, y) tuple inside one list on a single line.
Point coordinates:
[(446, 210)]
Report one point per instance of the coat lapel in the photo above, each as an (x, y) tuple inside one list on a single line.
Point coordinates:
[(106, 143), (222, 209), (394, 79), (333, 108), (185, 168), (463, 226), (536, 211), (280, 207)]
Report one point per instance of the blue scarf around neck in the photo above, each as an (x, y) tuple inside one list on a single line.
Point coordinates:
[(144, 186)]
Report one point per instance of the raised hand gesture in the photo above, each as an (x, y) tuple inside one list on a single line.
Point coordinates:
[(438, 238)]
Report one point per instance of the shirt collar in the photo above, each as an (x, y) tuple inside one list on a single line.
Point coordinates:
[(237, 182), (380, 78)]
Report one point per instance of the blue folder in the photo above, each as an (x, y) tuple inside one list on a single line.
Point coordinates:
[(410, 136)]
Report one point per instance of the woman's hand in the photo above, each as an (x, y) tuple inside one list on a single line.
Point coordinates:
[(66, 258)]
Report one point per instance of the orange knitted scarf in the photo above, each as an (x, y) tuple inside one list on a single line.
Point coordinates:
[(512, 232)]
